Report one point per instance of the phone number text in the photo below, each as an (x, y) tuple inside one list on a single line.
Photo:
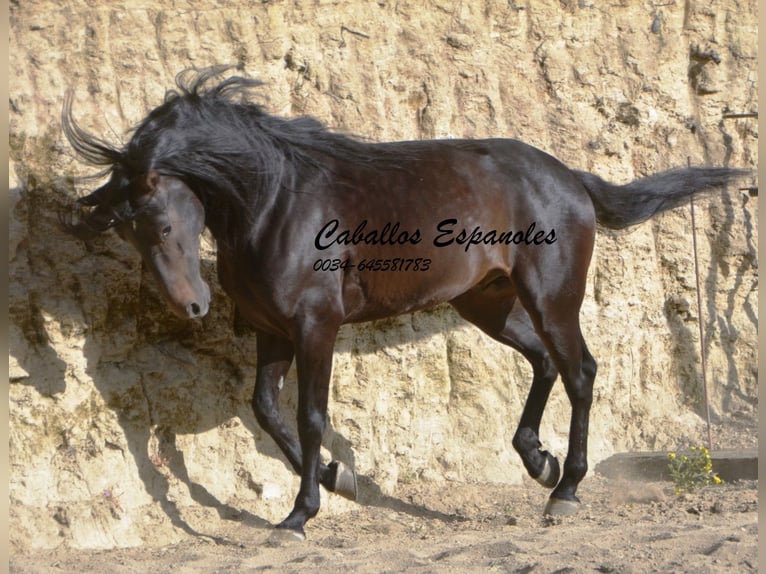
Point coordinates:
[(394, 264)]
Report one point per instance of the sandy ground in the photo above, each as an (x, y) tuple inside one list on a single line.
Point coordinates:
[(623, 527)]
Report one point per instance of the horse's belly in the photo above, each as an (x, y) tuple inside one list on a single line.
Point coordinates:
[(412, 285)]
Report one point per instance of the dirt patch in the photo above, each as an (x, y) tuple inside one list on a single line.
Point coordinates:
[(622, 527)]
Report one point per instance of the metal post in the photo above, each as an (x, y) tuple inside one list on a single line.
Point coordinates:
[(699, 323)]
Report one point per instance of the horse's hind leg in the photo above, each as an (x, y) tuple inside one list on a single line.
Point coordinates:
[(540, 464), (501, 316), (275, 354), (555, 316)]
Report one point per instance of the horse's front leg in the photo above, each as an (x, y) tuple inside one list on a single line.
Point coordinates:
[(314, 352), (275, 355)]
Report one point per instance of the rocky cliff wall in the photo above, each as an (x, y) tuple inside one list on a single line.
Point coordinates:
[(131, 427)]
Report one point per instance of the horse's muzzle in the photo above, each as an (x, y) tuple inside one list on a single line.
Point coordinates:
[(193, 306), (196, 310)]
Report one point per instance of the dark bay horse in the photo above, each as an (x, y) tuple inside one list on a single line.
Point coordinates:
[(315, 229)]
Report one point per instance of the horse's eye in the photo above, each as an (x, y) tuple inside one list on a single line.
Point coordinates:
[(166, 231)]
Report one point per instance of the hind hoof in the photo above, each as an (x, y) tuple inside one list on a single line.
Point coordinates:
[(345, 482), (549, 477), (561, 507)]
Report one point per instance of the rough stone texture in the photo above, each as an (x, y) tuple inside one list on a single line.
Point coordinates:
[(130, 427)]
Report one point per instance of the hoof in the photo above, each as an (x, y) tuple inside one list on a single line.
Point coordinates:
[(561, 507), (549, 477), (345, 482), (282, 536)]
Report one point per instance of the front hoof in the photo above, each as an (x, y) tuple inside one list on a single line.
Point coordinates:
[(561, 507), (285, 535), (345, 482), (549, 477)]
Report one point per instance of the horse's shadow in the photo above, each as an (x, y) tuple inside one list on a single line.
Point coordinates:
[(198, 418)]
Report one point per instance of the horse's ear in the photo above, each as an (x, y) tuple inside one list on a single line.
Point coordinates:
[(152, 181)]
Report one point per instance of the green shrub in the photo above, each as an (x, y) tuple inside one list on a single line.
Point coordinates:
[(691, 471)]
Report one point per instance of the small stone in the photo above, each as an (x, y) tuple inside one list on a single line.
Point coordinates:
[(628, 114), (460, 41)]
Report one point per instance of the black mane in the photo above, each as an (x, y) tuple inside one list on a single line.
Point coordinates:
[(225, 146)]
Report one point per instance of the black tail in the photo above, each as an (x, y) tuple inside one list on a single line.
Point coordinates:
[(620, 206)]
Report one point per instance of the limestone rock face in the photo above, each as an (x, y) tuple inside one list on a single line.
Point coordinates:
[(131, 427)]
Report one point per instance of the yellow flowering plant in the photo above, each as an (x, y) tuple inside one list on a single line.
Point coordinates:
[(691, 471)]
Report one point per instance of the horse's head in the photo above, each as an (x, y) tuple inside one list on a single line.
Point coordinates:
[(165, 228), (153, 207), (163, 219)]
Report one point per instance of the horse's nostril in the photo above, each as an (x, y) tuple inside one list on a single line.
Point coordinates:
[(195, 309)]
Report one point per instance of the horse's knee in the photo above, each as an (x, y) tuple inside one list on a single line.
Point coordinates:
[(311, 425), (545, 370), (579, 388), (589, 366)]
